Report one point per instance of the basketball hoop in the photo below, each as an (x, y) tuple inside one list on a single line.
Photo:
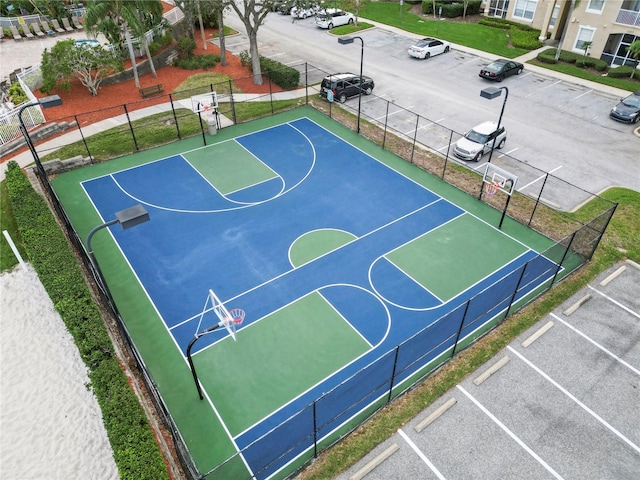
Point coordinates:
[(491, 188), (236, 316)]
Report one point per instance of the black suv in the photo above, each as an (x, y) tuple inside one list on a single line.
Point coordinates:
[(345, 85)]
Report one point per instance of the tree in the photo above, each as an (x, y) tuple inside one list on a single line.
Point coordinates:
[(573, 5), (586, 46), (253, 13), (88, 64), (117, 19), (634, 50)]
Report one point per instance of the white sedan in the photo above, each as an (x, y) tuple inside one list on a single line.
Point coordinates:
[(427, 47)]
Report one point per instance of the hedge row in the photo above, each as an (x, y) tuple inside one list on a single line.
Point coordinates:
[(135, 450), (522, 36), (282, 75), (549, 56)]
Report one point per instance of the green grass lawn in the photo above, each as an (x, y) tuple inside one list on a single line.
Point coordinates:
[(480, 37)]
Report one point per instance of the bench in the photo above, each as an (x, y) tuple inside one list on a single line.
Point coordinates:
[(152, 90)]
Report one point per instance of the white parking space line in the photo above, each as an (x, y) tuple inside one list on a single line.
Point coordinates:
[(615, 302), (578, 402), (538, 179), (424, 458), (582, 95), (388, 115), (589, 339), (510, 433), (510, 151), (544, 88), (423, 127)]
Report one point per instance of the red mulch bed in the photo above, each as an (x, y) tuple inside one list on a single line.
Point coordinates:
[(78, 100), (108, 103)]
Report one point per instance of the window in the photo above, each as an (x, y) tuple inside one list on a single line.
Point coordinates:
[(525, 9), (595, 6), (554, 16), (585, 34)]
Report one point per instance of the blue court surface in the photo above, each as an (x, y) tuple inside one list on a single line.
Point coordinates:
[(337, 259)]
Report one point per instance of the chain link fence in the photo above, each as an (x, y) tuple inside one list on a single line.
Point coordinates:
[(416, 139)]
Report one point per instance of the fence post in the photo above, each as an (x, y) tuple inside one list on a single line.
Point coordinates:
[(75, 117), (446, 157), (415, 137), (175, 117), (386, 119), (315, 430), (126, 112), (393, 374), (515, 291), (464, 317), (306, 83), (535, 206), (233, 103), (270, 92), (564, 255)]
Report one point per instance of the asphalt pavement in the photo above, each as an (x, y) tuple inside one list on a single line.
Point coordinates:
[(561, 401)]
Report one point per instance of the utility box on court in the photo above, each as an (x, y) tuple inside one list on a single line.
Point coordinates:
[(212, 125)]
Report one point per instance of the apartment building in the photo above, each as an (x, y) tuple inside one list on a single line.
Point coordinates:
[(611, 25)]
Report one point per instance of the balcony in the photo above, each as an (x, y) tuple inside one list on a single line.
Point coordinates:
[(628, 17)]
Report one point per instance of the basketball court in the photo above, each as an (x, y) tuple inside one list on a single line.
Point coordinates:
[(283, 259)]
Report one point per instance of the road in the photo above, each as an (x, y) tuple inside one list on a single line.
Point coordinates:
[(557, 126)]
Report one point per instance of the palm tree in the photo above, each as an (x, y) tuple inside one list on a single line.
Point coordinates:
[(634, 50), (121, 18)]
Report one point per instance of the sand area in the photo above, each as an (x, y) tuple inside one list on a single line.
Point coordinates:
[(50, 423)]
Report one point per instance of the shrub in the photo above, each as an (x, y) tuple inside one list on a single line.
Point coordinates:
[(547, 56), (525, 38), (186, 47), (199, 61), (624, 71), (282, 75), (595, 63), (16, 94)]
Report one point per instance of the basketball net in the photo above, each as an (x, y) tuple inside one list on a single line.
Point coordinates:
[(491, 188)]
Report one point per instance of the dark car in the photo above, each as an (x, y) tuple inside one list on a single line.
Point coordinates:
[(345, 85), (628, 110), (501, 69)]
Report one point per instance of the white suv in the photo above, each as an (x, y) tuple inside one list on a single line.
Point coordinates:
[(333, 17), (479, 140)]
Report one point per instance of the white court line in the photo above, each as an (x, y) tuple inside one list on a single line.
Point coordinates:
[(424, 458), (511, 434), (611, 354), (582, 405), (539, 178), (635, 314)]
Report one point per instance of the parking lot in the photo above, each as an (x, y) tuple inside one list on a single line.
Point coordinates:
[(561, 401), (557, 125)]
